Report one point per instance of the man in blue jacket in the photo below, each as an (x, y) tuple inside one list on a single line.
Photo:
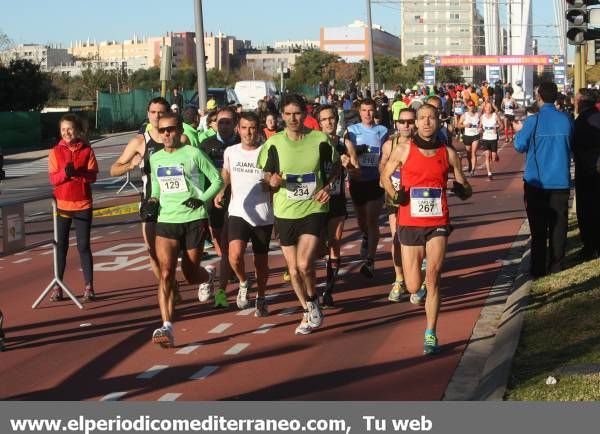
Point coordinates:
[(546, 139)]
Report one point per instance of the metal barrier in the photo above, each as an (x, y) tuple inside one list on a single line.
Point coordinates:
[(56, 280), (128, 182)]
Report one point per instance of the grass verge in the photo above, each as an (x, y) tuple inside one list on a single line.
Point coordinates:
[(561, 330)]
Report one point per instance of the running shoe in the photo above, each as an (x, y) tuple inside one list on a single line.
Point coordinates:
[(286, 276), (261, 307), (56, 294), (364, 247), (221, 298), (315, 316), (164, 337), (430, 345), (327, 300), (206, 289), (419, 297), (397, 292), (242, 296), (490, 177), (368, 269), (304, 327), (88, 293)]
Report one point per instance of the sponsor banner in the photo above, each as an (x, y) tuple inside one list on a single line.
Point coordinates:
[(494, 60)]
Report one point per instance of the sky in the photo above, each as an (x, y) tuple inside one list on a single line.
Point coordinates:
[(261, 21)]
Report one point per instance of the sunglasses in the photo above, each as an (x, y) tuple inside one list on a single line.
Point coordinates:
[(170, 129), (405, 121)]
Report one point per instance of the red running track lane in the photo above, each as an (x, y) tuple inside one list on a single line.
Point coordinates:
[(367, 349)]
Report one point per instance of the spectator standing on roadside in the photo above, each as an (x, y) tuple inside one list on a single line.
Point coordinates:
[(546, 139), (73, 168), (586, 152), (177, 98)]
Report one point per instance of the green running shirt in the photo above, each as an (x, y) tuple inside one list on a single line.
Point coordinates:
[(302, 164), (180, 175)]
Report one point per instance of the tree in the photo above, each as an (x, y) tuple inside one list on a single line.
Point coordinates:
[(23, 86), (449, 74), (310, 68), (219, 78)]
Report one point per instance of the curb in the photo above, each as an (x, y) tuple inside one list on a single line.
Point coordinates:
[(482, 373)]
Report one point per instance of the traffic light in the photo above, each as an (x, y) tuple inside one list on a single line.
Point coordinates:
[(578, 17)]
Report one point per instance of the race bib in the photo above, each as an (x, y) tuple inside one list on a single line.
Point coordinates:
[(369, 159), (489, 133), (171, 179), (458, 110), (471, 130), (425, 202), (301, 187), (508, 111), (396, 180)]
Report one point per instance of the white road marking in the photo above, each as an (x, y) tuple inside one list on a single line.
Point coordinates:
[(221, 328), (236, 349), (49, 252), (96, 237), (204, 372), (380, 246), (169, 397), (21, 253), (246, 311), (115, 396), (348, 246), (188, 349), (263, 329), (115, 232), (152, 372), (21, 260), (271, 296)]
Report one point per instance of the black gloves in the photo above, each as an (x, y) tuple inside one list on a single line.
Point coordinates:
[(401, 197), (463, 192), (193, 203), (149, 210), (70, 170)]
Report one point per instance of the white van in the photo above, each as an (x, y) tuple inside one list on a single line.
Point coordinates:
[(249, 92)]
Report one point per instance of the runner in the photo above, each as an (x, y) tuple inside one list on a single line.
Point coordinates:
[(214, 147), (179, 174), (328, 117), (294, 162), (390, 181), (423, 217), (364, 141), (250, 211), (508, 106), (137, 153), (458, 108), (469, 122), (490, 123)]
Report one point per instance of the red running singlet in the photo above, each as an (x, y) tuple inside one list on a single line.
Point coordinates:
[(424, 179)]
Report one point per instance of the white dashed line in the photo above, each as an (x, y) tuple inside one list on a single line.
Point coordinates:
[(288, 311), (188, 349), (152, 372), (236, 349), (263, 329), (169, 397), (97, 237), (245, 311), (21, 253), (115, 396), (221, 328), (115, 232), (387, 240), (271, 296), (49, 252), (21, 260), (72, 238), (204, 372), (348, 246), (380, 246)]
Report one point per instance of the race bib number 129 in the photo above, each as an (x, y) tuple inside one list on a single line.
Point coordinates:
[(171, 179)]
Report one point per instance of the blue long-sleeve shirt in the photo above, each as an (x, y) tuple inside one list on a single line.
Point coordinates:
[(546, 137)]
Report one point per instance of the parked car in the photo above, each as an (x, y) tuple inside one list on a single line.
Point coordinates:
[(251, 91), (223, 95)]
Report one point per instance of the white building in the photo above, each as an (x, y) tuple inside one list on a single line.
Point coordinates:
[(351, 42), (305, 44), (443, 28), (44, 55)]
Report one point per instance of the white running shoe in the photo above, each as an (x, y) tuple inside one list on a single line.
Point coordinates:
[(315, 316), (304, 327), (164, 337), (242, 296), (419, 296), (206, 289)]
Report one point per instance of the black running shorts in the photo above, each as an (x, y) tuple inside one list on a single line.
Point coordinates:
[(418, 236), (468, 140), (190, 235), (290, 230), (240, 229), (365, 191), (489, 145)]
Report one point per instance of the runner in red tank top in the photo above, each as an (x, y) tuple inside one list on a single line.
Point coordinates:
[(423, 217)]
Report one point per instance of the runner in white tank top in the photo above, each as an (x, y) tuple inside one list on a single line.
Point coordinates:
[(490, 123), (469, 123)]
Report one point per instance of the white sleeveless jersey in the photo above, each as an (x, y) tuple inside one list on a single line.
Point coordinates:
[(489, 127), (471, 124)]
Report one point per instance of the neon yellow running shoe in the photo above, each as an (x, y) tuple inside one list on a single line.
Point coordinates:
[(286, 276), (221, 298)]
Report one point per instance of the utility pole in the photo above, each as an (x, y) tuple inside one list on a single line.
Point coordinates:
[(200, 56), (370, 49)]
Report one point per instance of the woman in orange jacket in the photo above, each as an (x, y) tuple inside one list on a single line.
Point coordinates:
[(73, 168)]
